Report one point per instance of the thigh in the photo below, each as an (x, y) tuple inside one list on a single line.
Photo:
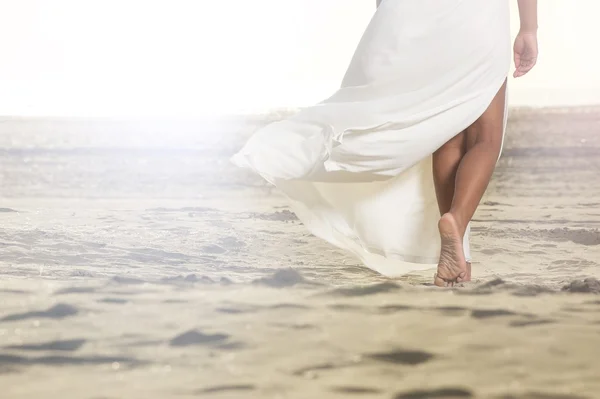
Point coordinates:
[(489, 128), (457, 143)]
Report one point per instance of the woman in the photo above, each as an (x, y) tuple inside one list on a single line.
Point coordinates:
[(414, 132)]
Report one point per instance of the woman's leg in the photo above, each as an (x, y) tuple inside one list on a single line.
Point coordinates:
[(475, 169), (445, 165)]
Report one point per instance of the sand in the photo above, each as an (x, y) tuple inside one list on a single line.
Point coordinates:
[(136, 262)]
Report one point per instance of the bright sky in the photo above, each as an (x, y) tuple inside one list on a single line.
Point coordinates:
[(193, 57)]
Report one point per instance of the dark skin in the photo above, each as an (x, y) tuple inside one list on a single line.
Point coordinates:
[(463, 167)]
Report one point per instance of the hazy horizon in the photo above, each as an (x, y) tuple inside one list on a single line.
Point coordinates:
[(189, 58)]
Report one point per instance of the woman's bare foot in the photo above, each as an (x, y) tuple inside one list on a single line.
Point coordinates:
[(452, 267)]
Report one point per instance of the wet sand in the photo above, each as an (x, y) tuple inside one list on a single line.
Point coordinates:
[(136, 262)]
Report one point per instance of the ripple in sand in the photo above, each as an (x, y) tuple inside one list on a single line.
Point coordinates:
[(231, 243), (311, 371), (213, 249), (58, 311), (544, 246), (344, 307), (587, 237), (493, 283), (531, 290), (489, 313), (389, 309), (235, 310), (499, 285), (64, 346), (573, 264), (282, 278), (81, 273), (177, 301), (442, 393), (115, 301), (279, 216), (13, 360), (225, 281), (411, 358), (288, 306), (121, 280), (492, 251), (190, 278), (366, 290), (528, 323), (227, 388), (451, 309), (143, 255), (9, 291), (581, 236), (540, 395), (195, 337), (587, 286), (184, 210), (8, 210), (356, 390), (295, 326), (492, 203), (231, 345), (76, 290)]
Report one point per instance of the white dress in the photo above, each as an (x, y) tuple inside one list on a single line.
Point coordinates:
[(357, 166)]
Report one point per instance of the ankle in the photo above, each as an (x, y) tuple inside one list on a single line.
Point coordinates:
[(460, 220)]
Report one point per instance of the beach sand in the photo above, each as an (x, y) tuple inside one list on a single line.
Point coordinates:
[(137, 262)]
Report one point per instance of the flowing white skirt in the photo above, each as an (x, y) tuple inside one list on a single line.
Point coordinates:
[(357, 166)]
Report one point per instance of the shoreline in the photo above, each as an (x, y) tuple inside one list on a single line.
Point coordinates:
[(283, 111)]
